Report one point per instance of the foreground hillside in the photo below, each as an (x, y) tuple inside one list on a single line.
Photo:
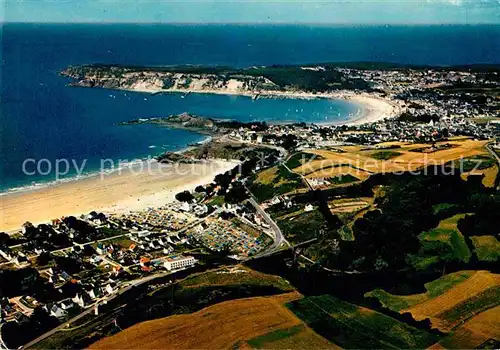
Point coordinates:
[(256, 322), (187, 296), (463, 305)]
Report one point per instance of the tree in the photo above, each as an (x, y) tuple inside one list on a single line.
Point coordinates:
[(44, 259), (223, 180), (236, 194), (88, 250), (69, 265), (184, 196), (4, 239)]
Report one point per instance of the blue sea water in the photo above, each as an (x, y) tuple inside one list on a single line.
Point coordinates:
[(42, 118)]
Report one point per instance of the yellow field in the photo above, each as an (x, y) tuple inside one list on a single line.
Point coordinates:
[(490, 175), (357, 157), (267, 176), (339, 171), (475, 331), (221, 326), (477, 283)]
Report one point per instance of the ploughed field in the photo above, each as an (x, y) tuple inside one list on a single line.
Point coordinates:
[(360, 161), (463, 305)]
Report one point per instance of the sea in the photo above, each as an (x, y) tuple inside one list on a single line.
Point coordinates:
[(45, 124)]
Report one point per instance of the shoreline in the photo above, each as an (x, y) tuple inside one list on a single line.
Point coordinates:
[(129, 189), (95, 172), (16, 202), (373, 108)]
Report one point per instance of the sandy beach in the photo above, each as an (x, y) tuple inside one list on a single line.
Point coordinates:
[(134, 188)]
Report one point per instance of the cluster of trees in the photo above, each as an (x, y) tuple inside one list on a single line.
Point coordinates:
[(6, 240), (16, 334), (184, 196), (44, 236), (234, 191), (84, 232), (26, 281), (386, 238), (486, 217), (294, 77)]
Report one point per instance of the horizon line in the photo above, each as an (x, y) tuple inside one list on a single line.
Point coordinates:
[(261, 23)]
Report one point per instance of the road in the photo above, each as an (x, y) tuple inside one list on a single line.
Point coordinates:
[(304, 180), (279, 239), (91, 308)]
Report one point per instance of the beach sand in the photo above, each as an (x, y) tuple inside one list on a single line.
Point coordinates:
[(372, 109), (137, 187)]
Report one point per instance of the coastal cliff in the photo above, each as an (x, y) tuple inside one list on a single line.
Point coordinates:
[(251, 81), (150, 80)]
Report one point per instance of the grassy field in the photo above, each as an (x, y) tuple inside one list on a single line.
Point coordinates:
[(355, 327), (460, 302), (216, 200), (407, 158), (300, 158), (385, 155), (434, 289), (296, 337), (221, 326), (275, 181), (448, 233), (479, 162), (233, 276), (450, 301), (342, 171), (487, 248), (300, 225)]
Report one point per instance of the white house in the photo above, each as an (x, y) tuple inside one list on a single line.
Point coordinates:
[(66, 304), (109, 288), (79, 300), (56, 311), (179, 262)]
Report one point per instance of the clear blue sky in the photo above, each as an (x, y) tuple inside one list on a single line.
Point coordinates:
[(254, 11)]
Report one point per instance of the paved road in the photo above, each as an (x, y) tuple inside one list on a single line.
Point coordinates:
[(279, 239), (91, 308)]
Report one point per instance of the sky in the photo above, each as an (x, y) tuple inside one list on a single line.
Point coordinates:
[(254, 11)]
